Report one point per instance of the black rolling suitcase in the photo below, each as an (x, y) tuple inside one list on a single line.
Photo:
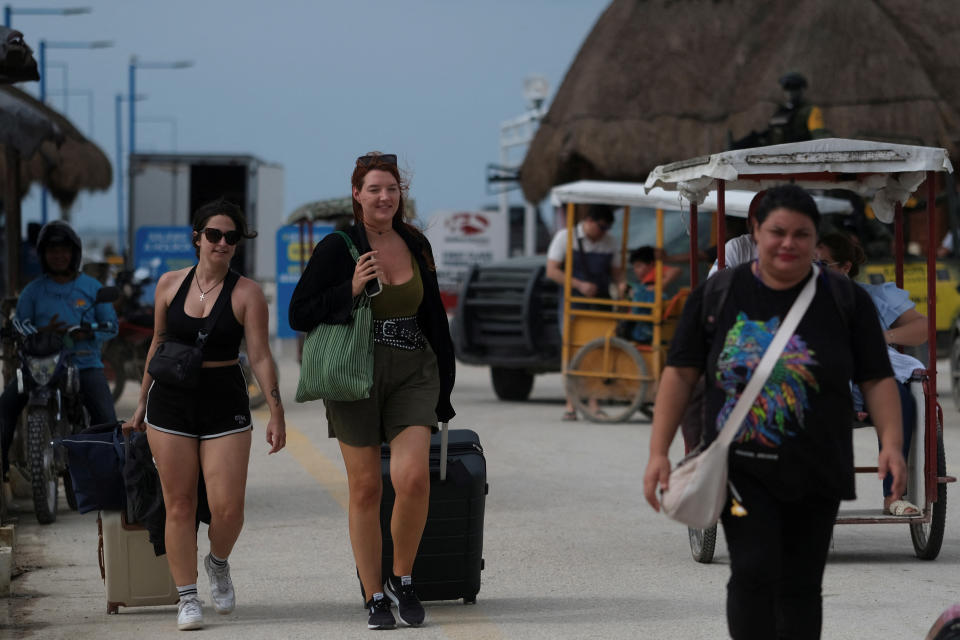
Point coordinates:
[(450, 557)]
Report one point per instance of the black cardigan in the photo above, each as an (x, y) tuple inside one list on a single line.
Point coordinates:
[(324, 294)]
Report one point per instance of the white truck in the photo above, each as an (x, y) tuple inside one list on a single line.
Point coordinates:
[(165, 190)]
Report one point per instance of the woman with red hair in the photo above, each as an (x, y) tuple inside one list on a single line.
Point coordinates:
[(412, 380)]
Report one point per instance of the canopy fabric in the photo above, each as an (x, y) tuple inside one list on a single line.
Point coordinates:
[(632, 194), (887, 172)]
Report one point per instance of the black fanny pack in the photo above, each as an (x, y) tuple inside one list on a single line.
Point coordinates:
[(402, 333), (178, 364)]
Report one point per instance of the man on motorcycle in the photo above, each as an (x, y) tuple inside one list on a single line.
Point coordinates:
[(60, 298)]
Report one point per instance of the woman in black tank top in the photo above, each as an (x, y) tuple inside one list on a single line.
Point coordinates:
[(208, 427)]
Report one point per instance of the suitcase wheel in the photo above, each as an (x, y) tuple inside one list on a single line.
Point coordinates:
[(470, 599)]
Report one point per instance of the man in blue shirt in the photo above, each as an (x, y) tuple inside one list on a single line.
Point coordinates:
[(60, 298)]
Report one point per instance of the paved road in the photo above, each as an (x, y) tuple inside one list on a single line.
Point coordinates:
[(571, 549)]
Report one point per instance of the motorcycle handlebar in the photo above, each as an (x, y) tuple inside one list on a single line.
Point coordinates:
[(96, 327)]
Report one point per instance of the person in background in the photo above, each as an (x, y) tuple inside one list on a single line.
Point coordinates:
[(791, 461), (945, 250), (412, 380), (596, 265), (902, 325), (795, 120), (209, 427), (60, 298), (643, 262), (742, 248)]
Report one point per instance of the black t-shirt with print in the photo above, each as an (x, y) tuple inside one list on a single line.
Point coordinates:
[(798, 436)]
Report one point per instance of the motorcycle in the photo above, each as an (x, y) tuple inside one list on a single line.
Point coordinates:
[(125, 356), (49, 377)]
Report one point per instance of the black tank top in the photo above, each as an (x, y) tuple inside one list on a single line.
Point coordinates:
[(223, 343)]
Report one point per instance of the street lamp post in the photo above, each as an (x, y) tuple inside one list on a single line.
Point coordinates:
[(87, 93), (118, 119), (44, 45), (9, 11), (137, 64), (42, 50)]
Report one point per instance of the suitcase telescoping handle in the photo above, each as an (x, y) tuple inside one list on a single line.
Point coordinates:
[(444, 442)]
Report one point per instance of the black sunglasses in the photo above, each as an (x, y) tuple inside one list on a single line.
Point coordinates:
[(213, 235), (377, 158)]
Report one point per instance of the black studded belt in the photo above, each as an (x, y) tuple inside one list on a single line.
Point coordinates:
[(402, 333)]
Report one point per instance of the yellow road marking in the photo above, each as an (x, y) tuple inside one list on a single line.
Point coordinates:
[(329, 473)]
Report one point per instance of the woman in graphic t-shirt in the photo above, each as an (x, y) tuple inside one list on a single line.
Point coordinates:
[(791, 461)]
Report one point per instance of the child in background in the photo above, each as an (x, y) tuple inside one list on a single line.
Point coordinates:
[(642, 261)]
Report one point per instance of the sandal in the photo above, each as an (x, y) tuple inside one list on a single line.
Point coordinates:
[(569, 416), (901, 508)]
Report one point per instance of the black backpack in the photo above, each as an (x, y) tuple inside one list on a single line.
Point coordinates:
[(715, 292)]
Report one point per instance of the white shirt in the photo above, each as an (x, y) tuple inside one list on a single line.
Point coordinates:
[(557, 251), (736, 251)]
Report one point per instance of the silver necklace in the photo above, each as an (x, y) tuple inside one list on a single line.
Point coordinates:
[(203, 294)]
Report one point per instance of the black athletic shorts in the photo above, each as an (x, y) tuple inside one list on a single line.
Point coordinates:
[(218, 406)]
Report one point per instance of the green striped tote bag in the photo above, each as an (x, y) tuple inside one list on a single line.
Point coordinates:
[(337, 362)]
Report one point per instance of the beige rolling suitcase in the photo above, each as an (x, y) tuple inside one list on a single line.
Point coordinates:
[(133, 575)]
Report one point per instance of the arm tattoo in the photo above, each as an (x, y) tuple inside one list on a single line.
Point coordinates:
[(275, 394)]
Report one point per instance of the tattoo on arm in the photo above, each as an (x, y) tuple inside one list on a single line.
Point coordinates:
[(275, 394)]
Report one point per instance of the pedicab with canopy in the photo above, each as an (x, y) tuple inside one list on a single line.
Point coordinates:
[(609, 376), (887, 174)]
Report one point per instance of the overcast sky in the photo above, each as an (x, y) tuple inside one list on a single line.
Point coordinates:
[(313, 84)]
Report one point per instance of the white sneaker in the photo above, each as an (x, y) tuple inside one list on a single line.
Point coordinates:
[(221, 586), (190, 613)]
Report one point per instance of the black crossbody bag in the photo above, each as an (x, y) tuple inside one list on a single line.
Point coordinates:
[(177, 363)]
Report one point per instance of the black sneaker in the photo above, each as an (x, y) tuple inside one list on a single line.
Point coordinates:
[(409, 609), (380, 616)]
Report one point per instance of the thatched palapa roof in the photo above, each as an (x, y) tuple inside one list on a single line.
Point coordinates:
[(335, 209), (75, 163), (662, 80)]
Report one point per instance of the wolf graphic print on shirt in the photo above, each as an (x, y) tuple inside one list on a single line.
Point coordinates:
[(778, 411)]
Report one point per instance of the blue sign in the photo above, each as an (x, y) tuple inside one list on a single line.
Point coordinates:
[(292, 257), (162, 249)]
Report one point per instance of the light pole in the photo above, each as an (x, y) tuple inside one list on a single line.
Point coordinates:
[(137, 64), (118, 119), (88, 93), (65, 84), (44, 45), (9, 11)]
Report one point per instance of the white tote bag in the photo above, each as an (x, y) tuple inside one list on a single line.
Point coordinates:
[(697, 488)]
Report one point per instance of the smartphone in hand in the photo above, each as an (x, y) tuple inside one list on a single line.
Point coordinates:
[(373, 287)]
